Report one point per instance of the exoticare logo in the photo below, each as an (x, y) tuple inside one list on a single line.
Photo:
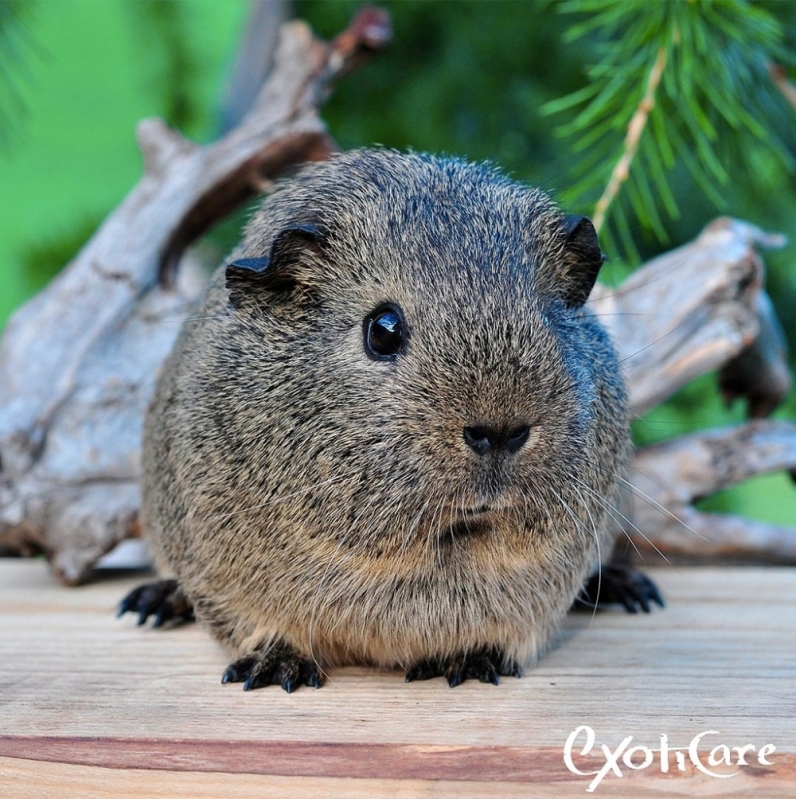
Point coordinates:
[(666, 758)]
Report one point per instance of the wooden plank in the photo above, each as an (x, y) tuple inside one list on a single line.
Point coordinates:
[(84, 694), (25, 779)]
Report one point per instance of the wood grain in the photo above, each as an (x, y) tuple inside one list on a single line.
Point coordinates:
[(94, 706)]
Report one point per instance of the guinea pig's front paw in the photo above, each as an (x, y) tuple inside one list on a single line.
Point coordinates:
[(163, 599), (487, 665), (615, 584), (279, 664)]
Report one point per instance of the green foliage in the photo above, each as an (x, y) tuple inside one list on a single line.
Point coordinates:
[(463, 78), (714, 102), (16, 47), (172, 73)]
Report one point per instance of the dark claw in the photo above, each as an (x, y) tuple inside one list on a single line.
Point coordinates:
[(288, 673), (239, 671), (619, 585), (280, 664), (164, 600), (490, 675), (456, 673), (130, 602), (486, 665), (164, 613), (425, 670), (310, 675), (629, 606)]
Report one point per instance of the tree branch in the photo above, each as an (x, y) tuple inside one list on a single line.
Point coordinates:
[(674, 474), (635, 129)]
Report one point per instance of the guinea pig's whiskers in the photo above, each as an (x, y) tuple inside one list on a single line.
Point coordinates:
[(585, 534), (593, 532), (533, 507), (517, 515), (651, 501), (541, 506), (439, 518), (615, 514), (434, 530), (623, 292), (628, 313), (593, 523), (205, 318), (651, 344), (657, 505), (458, 503)]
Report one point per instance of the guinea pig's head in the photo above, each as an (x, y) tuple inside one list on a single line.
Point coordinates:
[(421, 350)]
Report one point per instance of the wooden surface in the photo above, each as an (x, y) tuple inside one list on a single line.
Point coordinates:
[(93, 706)]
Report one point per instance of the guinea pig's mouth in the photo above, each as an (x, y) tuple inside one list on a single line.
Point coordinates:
[(475, 521), (479, 511)]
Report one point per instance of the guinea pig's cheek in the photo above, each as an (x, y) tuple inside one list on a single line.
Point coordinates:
[(535, 440), (350, 354), (325, 466)]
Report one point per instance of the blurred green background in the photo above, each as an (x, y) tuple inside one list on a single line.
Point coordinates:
[(465, 78)]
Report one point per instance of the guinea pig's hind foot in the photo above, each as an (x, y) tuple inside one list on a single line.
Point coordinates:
[(615, 584), (279, 664), (487, 665), (164, 600)]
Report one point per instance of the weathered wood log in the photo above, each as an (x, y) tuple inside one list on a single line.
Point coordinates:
[(78, 362), (693, 310), (254, 59), (667, 478)]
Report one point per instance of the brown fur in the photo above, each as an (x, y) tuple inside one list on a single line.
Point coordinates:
[(300, 490)]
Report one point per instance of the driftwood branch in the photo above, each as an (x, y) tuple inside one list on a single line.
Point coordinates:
[(693, 310), (698, 309), (667, 478), (254, 59), (78, 362)]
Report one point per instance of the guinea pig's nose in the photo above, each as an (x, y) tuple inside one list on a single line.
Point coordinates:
[(485, 440)]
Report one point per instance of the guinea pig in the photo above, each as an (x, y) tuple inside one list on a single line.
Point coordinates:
[(393, 432)]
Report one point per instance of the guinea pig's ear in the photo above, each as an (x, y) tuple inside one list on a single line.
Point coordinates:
[(274, 273), (582, 260)]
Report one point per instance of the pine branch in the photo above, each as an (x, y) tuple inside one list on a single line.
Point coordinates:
[(676, 83), (780, 78), (635, 130)]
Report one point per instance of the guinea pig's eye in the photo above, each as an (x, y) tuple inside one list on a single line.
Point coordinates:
[(385, 334)]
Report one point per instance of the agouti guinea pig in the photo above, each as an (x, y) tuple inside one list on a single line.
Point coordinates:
[(391, 433)]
